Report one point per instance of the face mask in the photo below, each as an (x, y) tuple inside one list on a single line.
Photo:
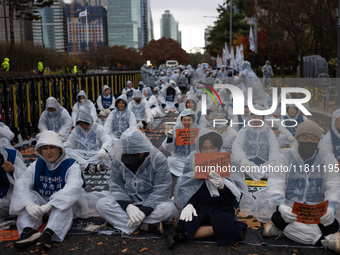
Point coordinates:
[(134, 161), (138, 100), (307, 149), (82, 101)]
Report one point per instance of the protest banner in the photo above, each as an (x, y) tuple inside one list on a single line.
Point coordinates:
[(212, 162), (186, 136)]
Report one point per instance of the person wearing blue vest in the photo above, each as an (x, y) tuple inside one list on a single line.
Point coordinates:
[(89, 144), (179, 153), (11, 168), (50, 185), (140, 184), (120, 119), (141, 110), (128, 91), (293, 117), (305, 183), (168, 98), (105, 102), (152, 101), (331, 141), (55, 118)]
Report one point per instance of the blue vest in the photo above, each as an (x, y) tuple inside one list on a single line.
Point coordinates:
[(106, 102), (292, 130), (170, 98), (129, 93), (3, 174), (199, 114), (47, 182), (240, 120), (227, 115), (336, 144), (152, 106)]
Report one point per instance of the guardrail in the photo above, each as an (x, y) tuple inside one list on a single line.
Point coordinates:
[(23, 99)]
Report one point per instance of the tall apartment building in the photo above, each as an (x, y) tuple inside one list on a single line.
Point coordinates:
[(77, 30), (50, 30), (22, 28), (169, 26), (146, 22), (124, 23)]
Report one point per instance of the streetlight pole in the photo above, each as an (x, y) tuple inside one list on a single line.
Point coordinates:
[(231, 20), (337, 98)]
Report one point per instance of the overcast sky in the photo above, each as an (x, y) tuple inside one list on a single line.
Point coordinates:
[(189, 14)]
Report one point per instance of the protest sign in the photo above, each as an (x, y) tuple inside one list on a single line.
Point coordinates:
[(212, 162), (309, 214), (186, 136)]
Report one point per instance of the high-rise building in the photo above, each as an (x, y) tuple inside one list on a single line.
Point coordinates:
[(50, 30), (169, 26), (77, 30), (22, 28), (124, 23), (95, 2), (146, 22)]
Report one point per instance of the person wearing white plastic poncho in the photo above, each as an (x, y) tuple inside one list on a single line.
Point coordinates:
[(119, 119), (89, 144), (11, 168), (141, 110), (106, 101), (192, 103), (250, 79), (6, 136), (208, 204), (179, 153), (55, 118), (84, 102), (140, 185), (267, 73), (52, 184), (168, 98), (128, 91), (152, 102), (331, 141), (311, 179), (293, 118), (255, 146)]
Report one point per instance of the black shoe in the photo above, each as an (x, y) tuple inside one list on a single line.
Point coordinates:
[(45, 240), (175, 238), (157, 228), (28, 236)]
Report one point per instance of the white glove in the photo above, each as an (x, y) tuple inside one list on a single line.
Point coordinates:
[(130, 224), (245, 163), (74, 124), (286, 213), (328, 218), (101, 153), (35, 211), (187, 212), (217, 180), (291, 139), (46, 208), (170, 133), (136, 215), (107, 111)]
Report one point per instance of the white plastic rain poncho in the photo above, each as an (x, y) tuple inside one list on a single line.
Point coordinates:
[(331, 141), (128, 91), (239, 121), (175, 77), (152, 102), (309, 187), (7, 180), (179, 153), (267, 73), (147, 186), (142, 110), (144, 73), (289, 120), (58, 121), (198, 106), (88, 105), (200, 72), (162, 82), (84, 145), (250, 79), (169, 96), (59, 184), (105, 102), (141, 87), (222, 74), (192, 190), (6, 136), (259, 146), (118, 121)]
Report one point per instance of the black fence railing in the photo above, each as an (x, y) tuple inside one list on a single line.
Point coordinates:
[(23, 99)]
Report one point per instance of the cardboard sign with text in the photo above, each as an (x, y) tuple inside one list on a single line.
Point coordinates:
[(212, 162), (186, 136), (309, 214)]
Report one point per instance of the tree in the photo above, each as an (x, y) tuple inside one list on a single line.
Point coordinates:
[(164, 49), (221, 31), (22, 9)]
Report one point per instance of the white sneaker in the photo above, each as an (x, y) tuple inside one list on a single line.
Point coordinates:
[(332, 242), (271, 230)]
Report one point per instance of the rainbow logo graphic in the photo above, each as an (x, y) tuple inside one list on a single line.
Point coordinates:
[(213, 90)]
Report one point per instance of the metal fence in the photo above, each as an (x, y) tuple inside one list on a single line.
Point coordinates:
[(23, 99)]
